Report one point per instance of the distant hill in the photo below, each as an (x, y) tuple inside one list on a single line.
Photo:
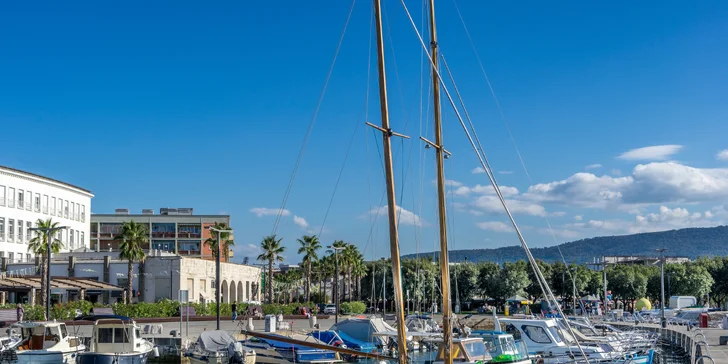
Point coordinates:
[(691, 242)]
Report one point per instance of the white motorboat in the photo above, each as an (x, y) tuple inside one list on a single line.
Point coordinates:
[(116, 340), (41, 342)]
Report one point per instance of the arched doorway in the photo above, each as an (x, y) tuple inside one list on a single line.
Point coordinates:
[(233, 291), (240, 291), (224, 292)]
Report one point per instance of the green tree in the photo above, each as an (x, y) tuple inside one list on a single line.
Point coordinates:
[(534, 289), (272, 251), (487, 277), (463, 281), (38, 245), (224, 240), (132, 236), (718, 269), (309, 246)]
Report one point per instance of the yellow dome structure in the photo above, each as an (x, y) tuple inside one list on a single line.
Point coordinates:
[(643, 304)]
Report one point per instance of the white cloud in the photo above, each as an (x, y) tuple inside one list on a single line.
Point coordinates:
[(652, 153), (477, 170), (485, 190), (615, 172), (505, 172), (300, 222), (558, 213), (593, 166), (496, 226), (492, 204), (578, 218), (404, 216), (452, 183), (664, 218), (653, 183), (561, 233), (722, 155), (264, 211)]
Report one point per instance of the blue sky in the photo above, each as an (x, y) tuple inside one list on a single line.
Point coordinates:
[(189, 105)]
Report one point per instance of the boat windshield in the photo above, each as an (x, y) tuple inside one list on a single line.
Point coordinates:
[(476, 349)]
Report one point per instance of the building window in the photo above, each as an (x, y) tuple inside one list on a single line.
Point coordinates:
[(189, 247), (60, 207), (29, 225), (20, 231), (72, 242), (11, 230), (53, 205), (83, 240), (83, 213), (73, 211), (28, 200), (45, 204), (21, 199), (27, 258), (11, 257), (11, 197), (37, 202), (203, 285), (65, 209), (2, 229), (2, 195)]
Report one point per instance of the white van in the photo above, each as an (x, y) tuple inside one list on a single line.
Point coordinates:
[(679, 302)]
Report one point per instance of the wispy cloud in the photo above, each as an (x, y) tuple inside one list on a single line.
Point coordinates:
[(300, 222), (405, 217), (264, 211), (593, 166), (578, 217), (496, 226), (477, 170), (652, 153), (722, 155)]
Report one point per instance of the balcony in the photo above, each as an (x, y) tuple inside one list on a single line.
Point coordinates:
[(94, 234), (189, 252), (186, 235)]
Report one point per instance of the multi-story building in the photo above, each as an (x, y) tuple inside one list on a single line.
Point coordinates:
[(26, 197), (177, 231)]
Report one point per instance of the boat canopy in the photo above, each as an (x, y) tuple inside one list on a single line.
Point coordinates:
[(364, 328), (215, 340)]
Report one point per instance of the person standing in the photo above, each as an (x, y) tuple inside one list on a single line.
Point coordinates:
[(234, 307), (19, 311)]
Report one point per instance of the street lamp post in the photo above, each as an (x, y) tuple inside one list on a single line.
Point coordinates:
[(217, 270), (336, 287), (663, 322), (49, 241)]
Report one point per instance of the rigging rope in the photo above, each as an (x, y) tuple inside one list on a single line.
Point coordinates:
[(356, 127), (312, 122), (482, 157)]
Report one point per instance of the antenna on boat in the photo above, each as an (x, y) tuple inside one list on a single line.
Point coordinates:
[(387, 133)]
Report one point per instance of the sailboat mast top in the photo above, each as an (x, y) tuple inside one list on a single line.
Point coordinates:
[(391, 202), (440, 157)]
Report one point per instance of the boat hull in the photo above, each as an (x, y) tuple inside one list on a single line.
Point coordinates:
[(56, 357), (111, 358)]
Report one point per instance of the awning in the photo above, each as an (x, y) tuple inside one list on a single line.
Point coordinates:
[(26, 283)]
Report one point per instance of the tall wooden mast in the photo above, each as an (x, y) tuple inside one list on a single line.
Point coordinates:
[(442, 213), (391, 202)]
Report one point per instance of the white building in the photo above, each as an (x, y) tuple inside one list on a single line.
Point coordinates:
[(26, 197), (161, 276)]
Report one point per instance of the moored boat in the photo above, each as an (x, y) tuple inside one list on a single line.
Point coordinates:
[(115, 340), (41, 342)]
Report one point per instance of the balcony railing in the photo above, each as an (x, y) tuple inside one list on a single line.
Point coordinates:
[(163, 234), (37, 208), (83, 217), (28, 205), (11, 237), (21, 204), (45, 210), (94, 234), (11, 202), (189, 235), (2, 201), (53, 212), (188, 252), (65, 213), (106, 235)]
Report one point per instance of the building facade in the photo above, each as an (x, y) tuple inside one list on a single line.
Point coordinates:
[(641, 259), (161, 276), (26, 197), (177, 231)]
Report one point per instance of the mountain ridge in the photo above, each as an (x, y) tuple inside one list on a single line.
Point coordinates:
[(688, 242)]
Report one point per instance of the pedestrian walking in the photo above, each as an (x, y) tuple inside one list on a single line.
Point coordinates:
[(19, 311), (234, 307)]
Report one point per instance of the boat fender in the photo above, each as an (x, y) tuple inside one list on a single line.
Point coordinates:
[(156, 351)]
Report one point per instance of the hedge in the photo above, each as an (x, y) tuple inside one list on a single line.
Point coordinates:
[(355, 307)]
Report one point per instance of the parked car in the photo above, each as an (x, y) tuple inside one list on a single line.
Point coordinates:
[(330, 309)]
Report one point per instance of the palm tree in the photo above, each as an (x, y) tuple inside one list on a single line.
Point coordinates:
[(224, 240), (272, 251), (132, 236), (39, 246), (350, 255), (309, 246), (359, 271)]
